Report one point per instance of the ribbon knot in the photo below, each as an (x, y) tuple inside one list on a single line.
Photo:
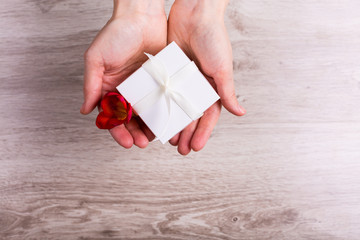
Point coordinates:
[(167, 88)]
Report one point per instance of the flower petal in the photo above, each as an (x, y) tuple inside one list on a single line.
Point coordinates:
[(107, 105), (129, 113), (113, 122), (116, 111), (102, 121), (123, 101)]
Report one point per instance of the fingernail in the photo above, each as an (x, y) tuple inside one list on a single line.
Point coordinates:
[(241, 110), (82, 108)]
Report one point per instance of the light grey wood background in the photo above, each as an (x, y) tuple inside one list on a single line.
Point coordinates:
[(289, 169)]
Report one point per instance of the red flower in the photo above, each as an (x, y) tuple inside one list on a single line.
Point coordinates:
[(116, 111)]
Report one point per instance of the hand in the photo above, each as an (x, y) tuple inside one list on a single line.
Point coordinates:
[(198, 28), (137, 26)]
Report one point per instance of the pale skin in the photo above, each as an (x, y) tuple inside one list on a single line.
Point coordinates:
[(138, 26)]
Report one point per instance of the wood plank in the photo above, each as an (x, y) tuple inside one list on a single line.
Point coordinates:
[(287, 170)]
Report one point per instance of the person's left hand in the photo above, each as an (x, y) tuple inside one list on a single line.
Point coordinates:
[(198, 28)]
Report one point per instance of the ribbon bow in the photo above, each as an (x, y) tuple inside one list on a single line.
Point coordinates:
[(167, 88)]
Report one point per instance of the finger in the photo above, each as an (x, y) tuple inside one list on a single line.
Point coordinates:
[(94, 71), (184, 146), (175, 140), (122, 136), (137, 134), (148, 133), (205, 127), (225, 88)]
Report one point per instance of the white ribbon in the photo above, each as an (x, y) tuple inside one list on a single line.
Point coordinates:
[(167, 88)]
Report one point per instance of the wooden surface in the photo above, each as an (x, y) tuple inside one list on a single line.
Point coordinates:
[(289, 169)]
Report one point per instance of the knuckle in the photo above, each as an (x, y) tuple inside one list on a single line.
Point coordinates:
[(223, 76), (89, 55), (86, 54), (228, 96)]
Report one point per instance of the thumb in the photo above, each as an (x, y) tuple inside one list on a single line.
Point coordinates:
[(93, 74), (225, 88)]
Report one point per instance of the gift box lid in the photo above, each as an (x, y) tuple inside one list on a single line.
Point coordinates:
[(194, 87)]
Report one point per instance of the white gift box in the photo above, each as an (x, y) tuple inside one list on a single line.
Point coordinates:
[(168, 92)]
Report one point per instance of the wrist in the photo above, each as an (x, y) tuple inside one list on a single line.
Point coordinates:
[(143, 7), (202, 11), (218, 6)]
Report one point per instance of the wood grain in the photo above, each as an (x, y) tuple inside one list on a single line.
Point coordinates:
[(289, 169)]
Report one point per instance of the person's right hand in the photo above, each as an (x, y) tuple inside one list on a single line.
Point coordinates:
[(137, 26)]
